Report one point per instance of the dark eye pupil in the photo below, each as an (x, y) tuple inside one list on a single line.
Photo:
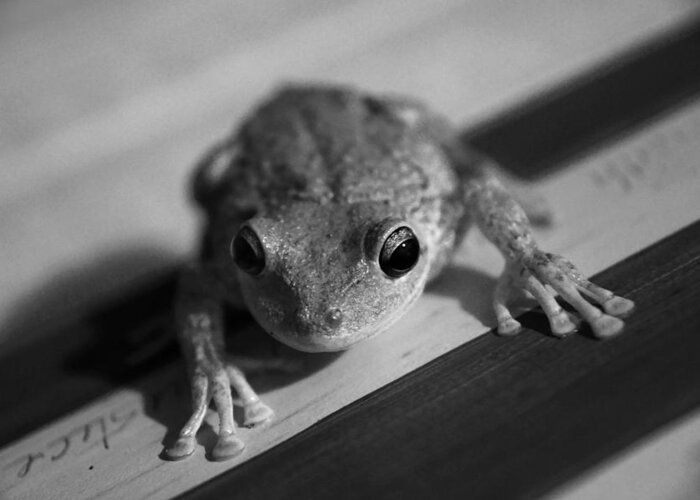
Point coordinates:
[(405, 255), (400, 252), (248, 253)]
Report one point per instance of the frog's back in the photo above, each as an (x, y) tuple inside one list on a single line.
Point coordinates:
[(331, 144)]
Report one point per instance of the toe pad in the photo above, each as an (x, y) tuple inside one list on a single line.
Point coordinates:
[(227, 447), (607, 326), (618, 306), (183, 448)]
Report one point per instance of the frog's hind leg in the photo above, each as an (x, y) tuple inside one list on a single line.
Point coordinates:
[(504, 222), (211, 171)]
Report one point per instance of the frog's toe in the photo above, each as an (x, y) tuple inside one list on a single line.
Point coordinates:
[(183, 448), (562, 324), (562, 276), (607, 326), (227, 447), (612, 304), (257, 413), (618, 306), (509, 327)]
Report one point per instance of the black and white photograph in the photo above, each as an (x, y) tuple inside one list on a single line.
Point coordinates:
[(287, 249)]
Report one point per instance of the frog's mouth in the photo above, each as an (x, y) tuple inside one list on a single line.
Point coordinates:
[(324, 341), (332, 331), (329, 334), (316, 343)]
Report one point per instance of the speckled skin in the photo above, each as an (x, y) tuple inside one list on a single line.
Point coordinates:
[(323, 175)]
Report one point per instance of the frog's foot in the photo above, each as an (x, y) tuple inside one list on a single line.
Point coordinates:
[(538, 271), (256, 413), (212, 384), (227, 446), (183, 447), (215, 384)]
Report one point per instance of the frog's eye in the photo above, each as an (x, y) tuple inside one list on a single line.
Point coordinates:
[(400, 252), (248, 252)]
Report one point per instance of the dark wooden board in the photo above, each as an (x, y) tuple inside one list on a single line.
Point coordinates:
[(545, 133), (121, 341), (496, 418), (513, 418), (506, 417)]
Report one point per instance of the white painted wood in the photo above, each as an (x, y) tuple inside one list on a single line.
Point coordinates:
[(119, 458), (664, 466), (105, 107)]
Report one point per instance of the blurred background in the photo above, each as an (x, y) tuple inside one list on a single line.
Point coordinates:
[(105, 106)]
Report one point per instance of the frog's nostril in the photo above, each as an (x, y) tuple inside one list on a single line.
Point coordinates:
[(334, 317)]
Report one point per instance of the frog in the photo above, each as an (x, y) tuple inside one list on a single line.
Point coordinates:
[(328, 211)]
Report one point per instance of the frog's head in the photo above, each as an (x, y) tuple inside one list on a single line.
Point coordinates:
[(319, 278)]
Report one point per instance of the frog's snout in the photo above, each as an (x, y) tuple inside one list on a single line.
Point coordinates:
[(326, 321), (333, 318), (319, 330)]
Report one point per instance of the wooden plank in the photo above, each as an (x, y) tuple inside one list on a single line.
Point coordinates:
[(91, 198), (127, 428), (62, 212), (126, 332), (506, 418), (619, 96), (662, 465), (540, 414)]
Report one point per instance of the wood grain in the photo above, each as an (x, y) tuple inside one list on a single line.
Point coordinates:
[(105, 108), (94, 160), (109, 448), (506, 418), (613, 100)]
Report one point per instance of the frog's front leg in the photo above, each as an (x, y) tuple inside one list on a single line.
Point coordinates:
[(536, 272), (199, 318)]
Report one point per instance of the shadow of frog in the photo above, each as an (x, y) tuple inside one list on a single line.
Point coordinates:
[(137, 347), (474, 289), (268, 365), (80, 354), (51, 325)]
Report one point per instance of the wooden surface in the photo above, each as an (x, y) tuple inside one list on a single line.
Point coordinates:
[(94, 180), (105, 107), (637, 473), (507, 418)]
